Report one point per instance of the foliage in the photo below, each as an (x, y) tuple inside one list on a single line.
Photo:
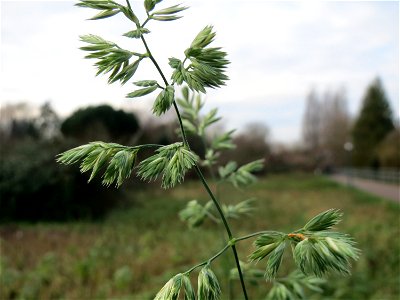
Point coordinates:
[(96, 155), (292, 287), (207, 64), (80, 260), (315, 249), (38, 189), (194, 213), (372, 125), (171, 289), (56, 193), (100, 122), (203, 67), (208, 286), (172, 161), (388, 150), (198, 124)]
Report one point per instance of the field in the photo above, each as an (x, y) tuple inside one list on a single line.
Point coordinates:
[(131, 253)]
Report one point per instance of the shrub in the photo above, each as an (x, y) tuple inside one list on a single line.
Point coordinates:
[(100, 122), (33, 187)]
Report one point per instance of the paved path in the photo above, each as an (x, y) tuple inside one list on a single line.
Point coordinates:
[(388, 191)]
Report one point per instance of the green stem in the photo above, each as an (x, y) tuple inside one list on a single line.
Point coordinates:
[(228, 230), (184, 137), (250, 235), (242, 238), (210, 169), (200, 174), (208, 260), (145, 22), (218, 206), (146, 146), (213, 218), (153, 60)]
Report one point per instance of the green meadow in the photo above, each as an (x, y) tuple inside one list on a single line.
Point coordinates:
[(141, 244)]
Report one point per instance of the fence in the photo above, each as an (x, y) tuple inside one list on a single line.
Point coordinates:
[(383, 174)]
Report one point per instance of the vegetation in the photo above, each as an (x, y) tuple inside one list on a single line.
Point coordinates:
[(38, 189), (55, 194), (326, 128), (315, 248), (100, 123), (388, 150), (141, 245), (372, 125)]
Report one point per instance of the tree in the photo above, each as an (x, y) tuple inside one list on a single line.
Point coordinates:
[(48, 123), (326, 126), (372, 125), (100, 122), (388, 151), (251, 143), (17, 122), (312, 122), (32, 186), (335, 128)]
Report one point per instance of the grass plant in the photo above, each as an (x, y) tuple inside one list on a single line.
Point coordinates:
[(315, 248), (85, 260)]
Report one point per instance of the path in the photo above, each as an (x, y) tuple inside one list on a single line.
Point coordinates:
[(388, 191)]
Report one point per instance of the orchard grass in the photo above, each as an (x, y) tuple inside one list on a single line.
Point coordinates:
[(138, 248), (315, 248)]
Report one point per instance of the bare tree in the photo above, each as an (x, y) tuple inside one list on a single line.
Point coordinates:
[(335, 128), (326, 128), (48, 122), (312, 129), (312, 123)]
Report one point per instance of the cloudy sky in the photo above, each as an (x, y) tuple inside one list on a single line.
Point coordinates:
[(278, 50)]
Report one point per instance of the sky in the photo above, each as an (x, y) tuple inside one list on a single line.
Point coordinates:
[(279, 51)]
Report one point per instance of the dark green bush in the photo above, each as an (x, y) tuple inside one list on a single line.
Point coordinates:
[(33, 187), (100, 123)]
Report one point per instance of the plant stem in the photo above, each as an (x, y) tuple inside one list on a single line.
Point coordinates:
[(208, 260), (153, 60), (213, 218), (200, 174), (145, 146), (145, 22), (224, 249), (228, 230), (250, 235)]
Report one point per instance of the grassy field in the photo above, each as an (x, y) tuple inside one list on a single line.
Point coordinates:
[(137, 248)]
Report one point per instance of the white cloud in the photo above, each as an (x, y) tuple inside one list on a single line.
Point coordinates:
[(279, 50)]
